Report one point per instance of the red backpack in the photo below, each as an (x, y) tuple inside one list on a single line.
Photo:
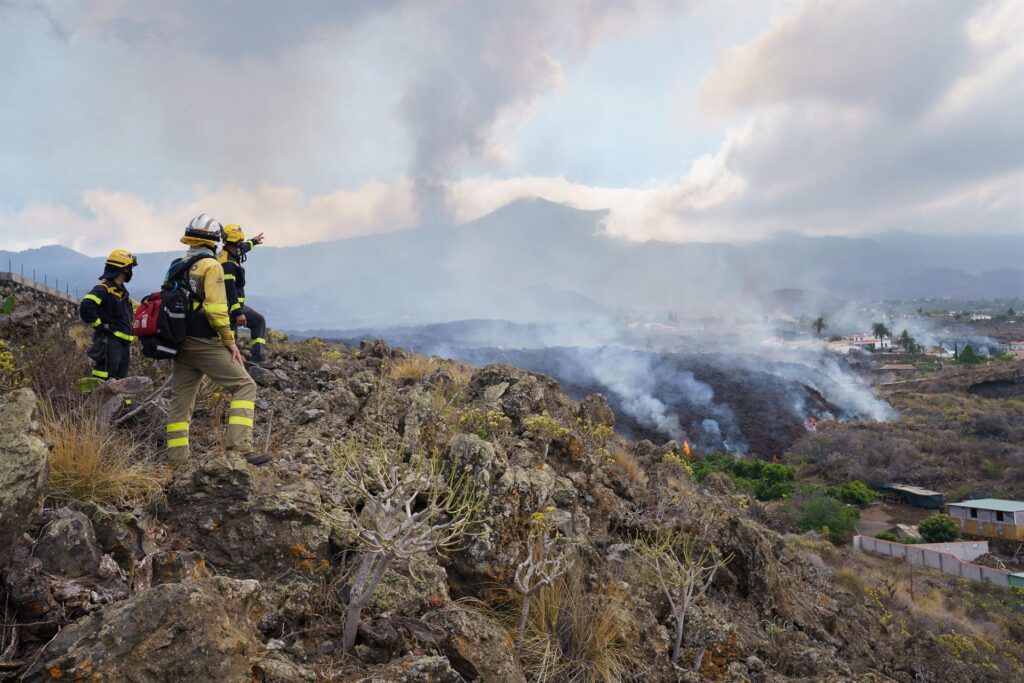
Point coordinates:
[(147, 316)]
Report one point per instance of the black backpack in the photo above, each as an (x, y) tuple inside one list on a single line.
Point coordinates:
[(161, 321)]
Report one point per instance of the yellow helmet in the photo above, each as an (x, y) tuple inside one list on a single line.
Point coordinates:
[(232, 234), (121, 258)]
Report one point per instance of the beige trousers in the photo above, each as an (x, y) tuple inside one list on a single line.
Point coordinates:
[(198, 357)]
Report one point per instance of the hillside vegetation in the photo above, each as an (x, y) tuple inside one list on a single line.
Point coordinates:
[(450, 524), (960, 431)]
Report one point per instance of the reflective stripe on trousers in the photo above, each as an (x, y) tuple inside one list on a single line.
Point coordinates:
[(198, 357), (240, 416), (177, 435)]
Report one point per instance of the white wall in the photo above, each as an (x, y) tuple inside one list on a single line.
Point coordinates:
[(936, 556)]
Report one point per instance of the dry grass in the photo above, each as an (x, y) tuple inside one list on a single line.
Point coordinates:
[(575, 635), (460, 372), (628, 465), (95, 462), (413, 368)]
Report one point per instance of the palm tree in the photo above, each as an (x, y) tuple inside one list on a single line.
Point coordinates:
[(880, 330), (819, 325)]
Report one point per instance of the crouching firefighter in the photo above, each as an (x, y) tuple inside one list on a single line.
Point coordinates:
[(209, 349), (242, 315), (107, 308)]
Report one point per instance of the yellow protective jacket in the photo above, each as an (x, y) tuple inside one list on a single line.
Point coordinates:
[(207, 280)]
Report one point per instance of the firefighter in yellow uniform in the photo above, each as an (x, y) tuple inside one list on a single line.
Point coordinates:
[(209, 349)]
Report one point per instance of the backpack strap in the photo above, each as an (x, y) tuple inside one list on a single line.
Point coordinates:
[(180, 268)]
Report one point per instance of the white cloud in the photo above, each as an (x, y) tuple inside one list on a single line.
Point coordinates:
[(845, 117), (109, 220)]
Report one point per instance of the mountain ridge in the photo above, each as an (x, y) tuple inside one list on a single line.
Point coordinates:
[(536, 260)]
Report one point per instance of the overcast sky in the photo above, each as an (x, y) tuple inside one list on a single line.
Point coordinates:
[(121, 119)]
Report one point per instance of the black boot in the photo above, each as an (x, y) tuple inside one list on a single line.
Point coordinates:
[(258, 354), (258, 458)]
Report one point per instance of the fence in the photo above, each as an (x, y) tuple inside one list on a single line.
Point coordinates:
[(43, 287), (949, 558)]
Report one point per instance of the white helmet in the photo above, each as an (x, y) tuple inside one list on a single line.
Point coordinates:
[(203, 230)]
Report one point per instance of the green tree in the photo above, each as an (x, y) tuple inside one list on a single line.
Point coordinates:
[(1010, 312), (819, 325), (880, 330), (907, 341), (827, 515), (855, 492), (939, 528), (970, 356)]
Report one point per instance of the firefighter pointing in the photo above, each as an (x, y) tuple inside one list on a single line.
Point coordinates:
[(209, 349), (242, 315)]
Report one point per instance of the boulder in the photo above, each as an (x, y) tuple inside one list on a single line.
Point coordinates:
[(196, 631), (263, 376), (119, 534), (29, 591), (342, 401), (247, 527), (67, 547), (594, 409), (60, 576), (308, 415), (478, 647), (23, 467), (418, 414), (541, 486), (415, 669), (410, 588), (374, 348), (518, 393), (470, 452), (170, 566)]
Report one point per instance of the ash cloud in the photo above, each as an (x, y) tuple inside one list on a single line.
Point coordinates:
[(485, 65)]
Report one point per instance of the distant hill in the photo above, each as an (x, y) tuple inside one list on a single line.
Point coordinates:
[(952, 283), (534, 260)]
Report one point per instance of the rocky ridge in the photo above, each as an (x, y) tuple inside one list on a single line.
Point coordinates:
[(235, 574)]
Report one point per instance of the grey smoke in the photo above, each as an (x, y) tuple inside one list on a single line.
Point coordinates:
[(491, 60)]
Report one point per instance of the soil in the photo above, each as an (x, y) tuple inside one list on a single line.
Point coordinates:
[(884, 516)]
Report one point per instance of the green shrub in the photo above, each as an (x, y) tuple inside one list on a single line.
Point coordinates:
[(939, 528), (763, 480), (887, 536), (855, 492), (830, 517), (487, 424)]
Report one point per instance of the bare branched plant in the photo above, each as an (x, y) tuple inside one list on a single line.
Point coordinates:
[(396, 508), (547, 558), (685, 568)]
